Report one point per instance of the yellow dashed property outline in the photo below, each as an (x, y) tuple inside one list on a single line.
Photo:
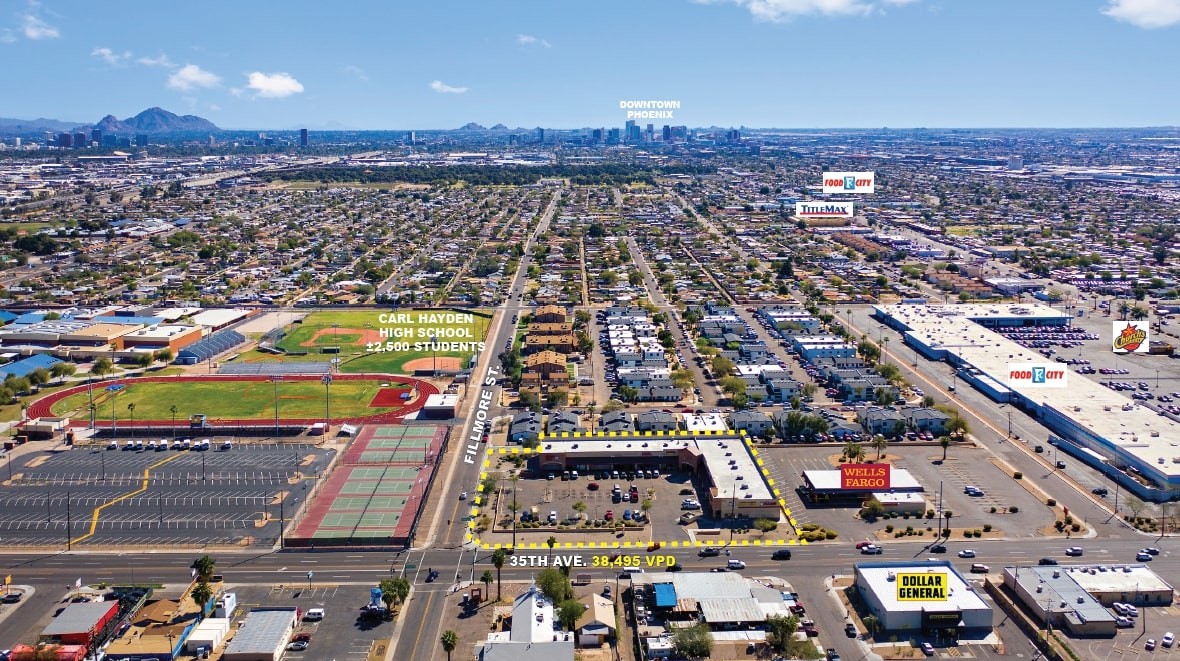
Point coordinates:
[(470, 536), (98, 510)]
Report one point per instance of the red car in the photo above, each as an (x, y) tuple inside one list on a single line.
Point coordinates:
[(861, 545), (610, 515), (593, 486)]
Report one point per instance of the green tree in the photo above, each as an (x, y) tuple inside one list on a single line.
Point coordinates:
[(201, 594), (205, 566), (164, 355), (499, 556), (927, 401), (102, 366), (486, 578), (144, 359), (879, 444), (62, 370), (551, 542), (945, 442), (39, 376), (568, 613), (854, 451), (780, 630), (449, 640), (722, 366), (394, 591), (695, 642), (871, 622), (554, 585)]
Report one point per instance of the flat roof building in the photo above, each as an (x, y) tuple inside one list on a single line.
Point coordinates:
[(262, 636), (1101, 427), (928, 596)]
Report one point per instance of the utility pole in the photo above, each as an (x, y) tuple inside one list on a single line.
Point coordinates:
[(283, 524), (69, 528), (939, 509)]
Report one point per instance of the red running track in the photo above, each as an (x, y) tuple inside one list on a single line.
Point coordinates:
[(43, 408)]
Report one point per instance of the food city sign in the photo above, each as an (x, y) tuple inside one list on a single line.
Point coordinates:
[(836, 183), (1036, 375)]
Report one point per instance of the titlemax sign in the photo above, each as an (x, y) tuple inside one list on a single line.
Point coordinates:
[(824, 209), (836, 183)]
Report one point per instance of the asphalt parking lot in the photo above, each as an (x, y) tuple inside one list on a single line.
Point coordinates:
[(964, 466), (1130, 643), (560, 496), (112, 497), (342, 635)]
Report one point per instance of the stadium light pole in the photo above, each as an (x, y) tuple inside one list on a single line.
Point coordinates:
[(327, 381), (114, 425)]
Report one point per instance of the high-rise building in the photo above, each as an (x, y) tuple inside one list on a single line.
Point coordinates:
[(126, 142), (596, 135), (96, 135), (64, 140), (80, 141), (16, 142), (667, 133), (410, 137), (613, 136), (302, 137), (110, 140), (540, 135), (141, 140), (50, 138), (1015, 162)]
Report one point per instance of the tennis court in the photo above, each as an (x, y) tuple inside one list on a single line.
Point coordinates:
[(376, 492)]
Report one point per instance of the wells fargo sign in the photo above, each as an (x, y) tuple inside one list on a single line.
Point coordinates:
[(864, 476)]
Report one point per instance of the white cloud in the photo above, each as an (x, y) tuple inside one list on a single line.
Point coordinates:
[(1149, 14), (159, 61), (356, 72), (783, 11), (190, 77), (35, 28), (274, 85), (529, 40), (443, 88), (111, 57)]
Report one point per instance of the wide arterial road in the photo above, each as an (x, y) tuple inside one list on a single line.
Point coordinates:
[(51, 573)]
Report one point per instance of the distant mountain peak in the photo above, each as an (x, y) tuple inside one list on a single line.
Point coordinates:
[(499, 127), (157, 120), (472, 126)]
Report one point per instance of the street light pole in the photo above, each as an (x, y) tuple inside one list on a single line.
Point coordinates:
[(434, 355), (327, 381)]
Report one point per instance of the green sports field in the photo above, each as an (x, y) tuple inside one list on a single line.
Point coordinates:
[(358, 335), (226, 399)]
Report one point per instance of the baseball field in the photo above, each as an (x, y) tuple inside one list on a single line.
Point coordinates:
[(382, 341)]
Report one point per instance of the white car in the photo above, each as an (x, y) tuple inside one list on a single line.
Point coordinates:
[(690, 504), (966, 553), (1168, 639), (463, 495)]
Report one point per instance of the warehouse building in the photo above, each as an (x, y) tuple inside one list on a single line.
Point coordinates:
[(263, 635), (1100, 427), (927, 596), (80, 624), (1076, 598)]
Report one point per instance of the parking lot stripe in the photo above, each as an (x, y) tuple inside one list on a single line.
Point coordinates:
[(147, 473)]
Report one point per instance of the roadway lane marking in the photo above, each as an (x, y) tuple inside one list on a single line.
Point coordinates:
[(147, 474), (422, 626)]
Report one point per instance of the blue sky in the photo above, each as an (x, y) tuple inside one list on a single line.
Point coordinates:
[(758, 63)]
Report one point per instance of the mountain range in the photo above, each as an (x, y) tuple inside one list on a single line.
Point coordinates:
[(10, 125), (156, 120)]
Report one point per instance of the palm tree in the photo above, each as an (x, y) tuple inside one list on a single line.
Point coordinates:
[(551, 542), (201, 595), (590, 416), (131, 410), (945, 442), (498, 558), (879, 444), (449, 640), (205, 566), (854, 451), (486, 578), (173, 409)]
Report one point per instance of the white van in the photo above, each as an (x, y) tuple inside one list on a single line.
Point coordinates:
[(313, 615), (628, 572), (186, 444)]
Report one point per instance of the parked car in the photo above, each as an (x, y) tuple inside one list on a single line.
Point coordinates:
[(297, 646), (850, 630), (927, 649)]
